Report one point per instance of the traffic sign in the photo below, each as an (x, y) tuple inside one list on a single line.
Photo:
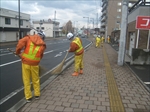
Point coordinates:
[(143, 22)]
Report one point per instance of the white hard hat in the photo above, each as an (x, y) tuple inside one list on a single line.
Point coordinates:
[(69, 35), (42, 34)]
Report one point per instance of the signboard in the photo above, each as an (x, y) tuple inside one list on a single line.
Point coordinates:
[(143, 22)]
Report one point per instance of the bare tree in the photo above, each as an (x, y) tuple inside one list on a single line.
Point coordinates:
[(67, 27)]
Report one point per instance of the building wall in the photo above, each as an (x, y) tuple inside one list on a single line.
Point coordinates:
[(140, 11), (112, 14), (13, 15), (143, 34), (9, 32), (46, 27), (8, 36)]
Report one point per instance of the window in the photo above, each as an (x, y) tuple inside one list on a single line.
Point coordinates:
[(118, 10), (42, 28), (21, 22), (119, 3), (7, 21), (118, 22), (37, 28), (118, 17)]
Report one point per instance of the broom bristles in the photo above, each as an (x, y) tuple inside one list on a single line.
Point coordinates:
[(59, 68)]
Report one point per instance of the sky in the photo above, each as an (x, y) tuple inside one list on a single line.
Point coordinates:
[(66, 10)]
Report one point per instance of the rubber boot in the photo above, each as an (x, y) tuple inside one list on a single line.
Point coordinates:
[(81, 72), (75, 74)]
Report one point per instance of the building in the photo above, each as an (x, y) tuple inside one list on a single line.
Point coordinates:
[(9, 25), (134, 39), (111, 16), (51, 28)]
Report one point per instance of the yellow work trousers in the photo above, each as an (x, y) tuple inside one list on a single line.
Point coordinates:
[(97, 43), (78, 63), (30, 73)]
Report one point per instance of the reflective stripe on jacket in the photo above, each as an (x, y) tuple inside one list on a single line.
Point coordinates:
[(31, 52), (78, 42)]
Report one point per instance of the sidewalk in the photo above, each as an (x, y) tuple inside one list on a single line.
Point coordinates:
[(104, 87)]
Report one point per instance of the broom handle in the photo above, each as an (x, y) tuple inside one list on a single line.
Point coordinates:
[(66, 55), (13, 52)]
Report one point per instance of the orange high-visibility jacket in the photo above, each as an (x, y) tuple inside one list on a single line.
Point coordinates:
[(76, 46), (33, 51)]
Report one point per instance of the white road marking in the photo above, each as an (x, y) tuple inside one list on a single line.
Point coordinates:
[(20, 60), (58, 54), (147, 82), (5, 54), (48, 52), (10, 63)]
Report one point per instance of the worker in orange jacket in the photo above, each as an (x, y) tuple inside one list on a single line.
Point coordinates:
[(77, 48), (33, 48)]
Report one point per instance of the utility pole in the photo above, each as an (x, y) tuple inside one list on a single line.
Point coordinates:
[(122, 42), (87, 24), (54, 23), (92, 22), (40, 25)]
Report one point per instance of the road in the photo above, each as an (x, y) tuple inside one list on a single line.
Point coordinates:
[(10, 66)]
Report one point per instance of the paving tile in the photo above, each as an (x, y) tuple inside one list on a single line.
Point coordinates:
[(59, 108), (50, 107), (34, 105), (77, 110), (89, 92), (83, 106), (80, 101), (58, 103), (92, 107), (66, 104), (74, 105), (88, 102), (87, 110), (42, 106), (49, 102), (68, 109)]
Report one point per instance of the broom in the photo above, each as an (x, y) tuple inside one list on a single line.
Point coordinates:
[(41, 69), (58, 69)]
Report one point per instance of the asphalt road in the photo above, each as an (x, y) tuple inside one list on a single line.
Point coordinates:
[(10, 67)]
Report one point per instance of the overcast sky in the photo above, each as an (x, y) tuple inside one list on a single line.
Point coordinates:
[(66, 10)]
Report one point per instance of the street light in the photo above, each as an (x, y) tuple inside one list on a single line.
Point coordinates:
[(40, 24), (87, 24), (93, 21), (75, 27)]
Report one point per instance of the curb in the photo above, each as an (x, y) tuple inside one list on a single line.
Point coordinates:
[(22, 102), (143, 84)]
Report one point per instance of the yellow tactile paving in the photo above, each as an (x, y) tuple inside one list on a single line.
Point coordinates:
[(114, 95)]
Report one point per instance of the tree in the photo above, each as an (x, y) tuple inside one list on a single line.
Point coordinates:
[(67, 27)]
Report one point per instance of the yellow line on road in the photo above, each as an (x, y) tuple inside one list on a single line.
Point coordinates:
[(113, 92)]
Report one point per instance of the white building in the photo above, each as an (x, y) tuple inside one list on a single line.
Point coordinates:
[(45, 26), (9, 25), (51, 28)]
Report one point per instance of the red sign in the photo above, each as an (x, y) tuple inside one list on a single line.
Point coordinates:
[(143, 22)]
